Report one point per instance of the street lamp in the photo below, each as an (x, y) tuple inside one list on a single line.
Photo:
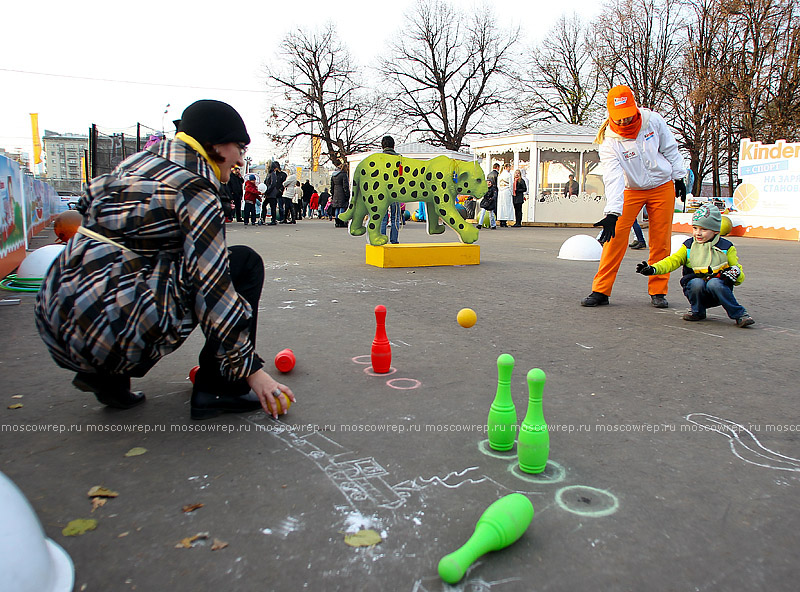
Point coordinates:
[(163, 115)]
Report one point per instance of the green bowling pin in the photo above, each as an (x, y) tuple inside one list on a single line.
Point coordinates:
[(502, 421), (533, 447), (500, 525)]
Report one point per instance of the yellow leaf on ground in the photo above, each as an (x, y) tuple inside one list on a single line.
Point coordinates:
[(100, 491), (15, 406), (363, 538), (188, 542), (192, 507), (16, 396), (123, 534), (218, 544), (98, 502), (78, 527), (136, 451)]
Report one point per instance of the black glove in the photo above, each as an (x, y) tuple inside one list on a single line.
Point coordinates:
[(609, 224), (645, 269), (730, 275)]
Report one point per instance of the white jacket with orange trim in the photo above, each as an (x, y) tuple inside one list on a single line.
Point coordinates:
[(646, 162)]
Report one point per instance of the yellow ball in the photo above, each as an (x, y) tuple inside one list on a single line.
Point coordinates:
[(281, 410), (467, 317), (726, 226)]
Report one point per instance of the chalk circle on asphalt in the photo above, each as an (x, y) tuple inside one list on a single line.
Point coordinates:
[(553, 473), (362, 360), (403, 384), (484, 448), (587, 501), (371, 372)]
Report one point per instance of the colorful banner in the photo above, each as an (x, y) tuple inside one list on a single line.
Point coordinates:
[(316, 148), (37, 143), (770, 176), (12, 217)]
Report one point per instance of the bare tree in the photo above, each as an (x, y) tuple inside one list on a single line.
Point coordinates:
[(319, 96), (562, 82), (444, 72), (635, 43)]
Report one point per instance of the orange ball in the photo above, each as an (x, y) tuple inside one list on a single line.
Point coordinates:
[(66, 224)]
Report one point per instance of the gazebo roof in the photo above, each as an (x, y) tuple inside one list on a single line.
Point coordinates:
[(560, 129)]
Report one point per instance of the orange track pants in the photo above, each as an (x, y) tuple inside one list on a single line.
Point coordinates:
[(660, 203)]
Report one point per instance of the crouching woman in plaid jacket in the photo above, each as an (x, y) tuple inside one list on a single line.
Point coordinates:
[(150, 263)]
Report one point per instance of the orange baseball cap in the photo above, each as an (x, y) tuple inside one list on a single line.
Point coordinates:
[(620, 102)]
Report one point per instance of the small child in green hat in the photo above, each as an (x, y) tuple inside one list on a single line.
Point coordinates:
[(710, 268)]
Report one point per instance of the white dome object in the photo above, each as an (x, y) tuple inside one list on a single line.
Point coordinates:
[(581, 247), (677, 241), (29, 561), (262, 187), (36, 263)]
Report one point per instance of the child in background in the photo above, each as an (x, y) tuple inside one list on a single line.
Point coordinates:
[(710, 268), (251, 195)]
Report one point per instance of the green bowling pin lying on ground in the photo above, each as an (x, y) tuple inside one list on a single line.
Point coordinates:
[(533, 447), (500, 525), (502, 420)]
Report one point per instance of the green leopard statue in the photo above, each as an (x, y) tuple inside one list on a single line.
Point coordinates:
[(381, 179)]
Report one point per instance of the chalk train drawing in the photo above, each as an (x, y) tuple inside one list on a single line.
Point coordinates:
[(744, 444), (362, 481)]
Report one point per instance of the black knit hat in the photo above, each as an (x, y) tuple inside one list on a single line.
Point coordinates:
[(214, 122)]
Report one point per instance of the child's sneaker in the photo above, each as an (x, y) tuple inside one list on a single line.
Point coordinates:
[(744, 321), (693, 316)]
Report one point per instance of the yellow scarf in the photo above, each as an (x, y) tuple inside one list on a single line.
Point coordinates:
[(186, 138)]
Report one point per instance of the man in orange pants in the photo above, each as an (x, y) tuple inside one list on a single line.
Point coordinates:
[(640, 161)]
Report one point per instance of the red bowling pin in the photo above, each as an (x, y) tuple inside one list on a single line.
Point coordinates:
[(381, 349)]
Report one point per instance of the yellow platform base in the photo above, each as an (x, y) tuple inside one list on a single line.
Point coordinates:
[(423, 255)]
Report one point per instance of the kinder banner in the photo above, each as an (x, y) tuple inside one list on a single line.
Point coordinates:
[(770, 176)]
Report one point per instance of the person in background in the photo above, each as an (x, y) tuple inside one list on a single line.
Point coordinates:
[(639, 242), (308, 189), (236, 189), (324, 197), (285, 201), (313, 204), (297, 202), (518, 189), (154, 228), (340, 193), (571, 187), (505, 198), (274, 185), (488, 204), (640, 160), (393, 217), (251, 197)]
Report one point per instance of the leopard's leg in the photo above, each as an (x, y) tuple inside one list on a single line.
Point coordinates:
[(446, 209), (357, 214), (432, 214), (376, 211)]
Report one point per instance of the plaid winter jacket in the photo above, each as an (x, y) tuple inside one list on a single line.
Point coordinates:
[(103, 308)]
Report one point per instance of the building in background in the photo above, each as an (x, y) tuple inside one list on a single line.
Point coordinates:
[(21, 158), (63, 158)]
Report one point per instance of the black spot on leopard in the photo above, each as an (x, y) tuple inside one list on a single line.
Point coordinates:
[(466, 184), (414, 174), (394, 173), (376, 217), (452, 221), (403, 190), (442, 212), (388, 165), (461, 227), (394, 193), (366, 186), (374, 208), (436, 199), (444, 185), (412, 183), (413, 194), (372, 163), (375, 173), (363, 171), (439, 175), (429, 176), (407, 169), (371, 199), (376, 185), (424, 194), (385, 176)]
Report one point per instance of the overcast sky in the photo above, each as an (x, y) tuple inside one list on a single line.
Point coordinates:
[(118, 63)]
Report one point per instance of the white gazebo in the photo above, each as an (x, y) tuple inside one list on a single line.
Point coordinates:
[(547, 155)]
